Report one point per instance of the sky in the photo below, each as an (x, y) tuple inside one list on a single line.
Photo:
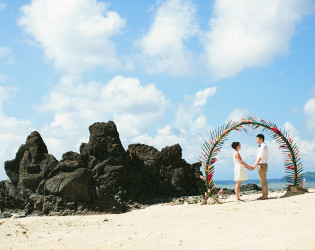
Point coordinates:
[(165, 72)]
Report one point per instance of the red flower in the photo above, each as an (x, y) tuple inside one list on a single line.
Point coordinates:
[(261, 120), (274, 129), (303, 182), (221, 190), (210, 176), (290, 167), (213, 161)]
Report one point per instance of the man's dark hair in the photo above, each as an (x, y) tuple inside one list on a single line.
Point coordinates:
[(261, 136), (235, 144)]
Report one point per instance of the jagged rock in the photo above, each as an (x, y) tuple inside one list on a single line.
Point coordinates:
[(250, 187), (102, 177), (70, 162), (31, 164), (226, 191), (75, 186), (163, 174), (148, 155), (109, 163), (177, 177), (47, 165), (104, 143), (171, 155), (145, 169), (10, 197), (112, 181)]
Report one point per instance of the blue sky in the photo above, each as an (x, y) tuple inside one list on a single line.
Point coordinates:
[(165, 72)]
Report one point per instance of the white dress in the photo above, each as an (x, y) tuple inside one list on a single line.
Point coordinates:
[(239, 170)]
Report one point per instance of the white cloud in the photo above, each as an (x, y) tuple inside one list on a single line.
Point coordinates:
[(189, 141), (202, 96), (163, 46), (290, 129), (245, 33), (4, 52), (3, 78), (165, 136), (189, 113), (237, 114), (131, 105), (309, 110), (187, 129), (13, 133), (75, 34), (3, 6)]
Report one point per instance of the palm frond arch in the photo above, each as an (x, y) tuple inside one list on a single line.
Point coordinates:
[(212, 147)]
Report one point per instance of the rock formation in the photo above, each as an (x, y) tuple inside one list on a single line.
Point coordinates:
[(102, 177)]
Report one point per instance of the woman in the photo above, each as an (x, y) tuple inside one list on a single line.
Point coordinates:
[(239, 169)]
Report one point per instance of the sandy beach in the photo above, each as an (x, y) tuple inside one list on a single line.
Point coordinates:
[(276, 223)]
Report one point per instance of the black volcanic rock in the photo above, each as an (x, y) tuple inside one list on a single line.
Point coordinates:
[(161, 174), (177, 177), (104, 143), (70, 162), (10, 197), (102, 177), (31, 164), (145, 170), (109, 163), (74, 186), (250, 187)]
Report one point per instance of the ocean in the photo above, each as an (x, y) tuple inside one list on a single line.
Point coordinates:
[(272, 183)]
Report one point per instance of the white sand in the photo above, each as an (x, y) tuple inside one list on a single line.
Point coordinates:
[(278, 223)]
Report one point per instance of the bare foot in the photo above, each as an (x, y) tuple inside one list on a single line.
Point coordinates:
[(262, 198)]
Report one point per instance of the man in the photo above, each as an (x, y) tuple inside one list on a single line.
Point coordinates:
[(261, 162)]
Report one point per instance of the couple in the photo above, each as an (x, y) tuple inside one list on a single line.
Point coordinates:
[(261, 162)]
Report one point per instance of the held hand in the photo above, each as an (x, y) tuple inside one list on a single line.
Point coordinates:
[(250, 168)]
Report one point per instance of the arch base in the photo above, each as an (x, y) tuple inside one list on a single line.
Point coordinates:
[(294, 190)]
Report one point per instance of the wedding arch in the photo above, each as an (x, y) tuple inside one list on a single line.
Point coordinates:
[(212, 147)]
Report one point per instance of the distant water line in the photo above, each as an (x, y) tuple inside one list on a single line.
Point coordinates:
[(274, 184)]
